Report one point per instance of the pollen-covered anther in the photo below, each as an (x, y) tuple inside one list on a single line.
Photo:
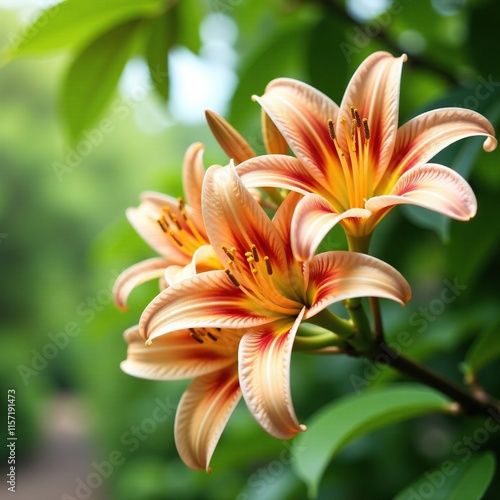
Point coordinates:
[(269, 267), (366, 129), (255, 253), (230, 275), (195, 336), (228, 252), (331, 129)]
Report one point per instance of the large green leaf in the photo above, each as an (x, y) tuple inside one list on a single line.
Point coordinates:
[(73, 23), (454, 479), (353, 416), (483, 351), (93, 76), (161, 36)]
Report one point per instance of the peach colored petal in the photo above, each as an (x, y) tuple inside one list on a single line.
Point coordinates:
[(280, 171), (435, 187), (229, 138), (314, 217), (193, 172), (209, 299), (179, 355), (374, 91), (264, 368), (203, 412), (424, 136), (336, 276), (234, 219), (134, 276), (301, 114)]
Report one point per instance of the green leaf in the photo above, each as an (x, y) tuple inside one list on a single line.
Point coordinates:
[(190, 14), (454, 479), (483, 351), (162, 33), (93, 76), (73, 23), (353, 416)]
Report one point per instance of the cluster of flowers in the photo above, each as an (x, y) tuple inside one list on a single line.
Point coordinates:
[(238, 287)]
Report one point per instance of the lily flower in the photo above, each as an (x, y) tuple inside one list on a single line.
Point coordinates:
[(264, 291), (210, 356), (173, 228), (353, 163)]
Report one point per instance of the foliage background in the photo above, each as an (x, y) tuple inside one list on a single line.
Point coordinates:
[(64, 236)]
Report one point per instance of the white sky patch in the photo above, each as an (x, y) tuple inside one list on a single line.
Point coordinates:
[(364, 10)]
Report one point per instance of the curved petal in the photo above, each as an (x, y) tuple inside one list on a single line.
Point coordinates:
[(144, 220), (134, 276), (424, 136), (313, 219), (336, 276), (282, 221), (206, 300), (203, 412), (234, 219), (374, 91), (229, 138), (193, 172), (301, 114), (273, 139), (264, 368), (280, 171), (179, 355), (431, 186)]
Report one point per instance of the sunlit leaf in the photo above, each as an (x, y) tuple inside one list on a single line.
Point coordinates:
[(454, 479), (162, 34), (93, 76), (190, 14), (73, 23), (353, 416)]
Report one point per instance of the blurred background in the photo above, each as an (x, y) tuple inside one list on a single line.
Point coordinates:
[(81, 139)]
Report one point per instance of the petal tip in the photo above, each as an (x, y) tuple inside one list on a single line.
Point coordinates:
[(490, 144)]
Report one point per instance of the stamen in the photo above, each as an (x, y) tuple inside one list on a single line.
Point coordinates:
[(255, 253), (235, 282), (163, 225), (357, 118), (269, 267), (227, 252), (331, 129), (172, 235), (194, 335), (211, 335), (366, 130)]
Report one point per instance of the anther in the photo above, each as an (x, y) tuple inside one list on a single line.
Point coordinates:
[(230, 275), (357, 118), (269, 267), (366, 130), (211, 336), (331, 129), (255, 253), (227, 252), (163, 225), (172, 235)]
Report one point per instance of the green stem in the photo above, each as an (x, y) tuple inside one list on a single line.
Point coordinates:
[(326, 319), (319, 341)]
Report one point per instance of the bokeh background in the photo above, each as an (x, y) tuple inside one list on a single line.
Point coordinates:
[(64, 238)]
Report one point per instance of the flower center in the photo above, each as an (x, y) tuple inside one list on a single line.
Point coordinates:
[(353, 157), (254, 276), (180, 229)]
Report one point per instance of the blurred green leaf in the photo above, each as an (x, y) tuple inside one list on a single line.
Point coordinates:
[(353, 416), (93, 76), (162, 34), (73, 23), (189, 14), (454, 480), (483, 351)]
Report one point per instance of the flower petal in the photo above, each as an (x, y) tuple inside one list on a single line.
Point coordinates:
[(136, 275), (280, 171), (179, 355), (301, 114), (273, 139), (209, 299), (229, 138), (424, 136), (203, 412), (264, 368), (374, 91), (234, 219), (336, 276), (193, 172), (313, 219), (435, 187)]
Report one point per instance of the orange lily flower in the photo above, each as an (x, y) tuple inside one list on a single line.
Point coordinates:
[(208, 355), (263, 291), (173, 228), (353, 163)]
